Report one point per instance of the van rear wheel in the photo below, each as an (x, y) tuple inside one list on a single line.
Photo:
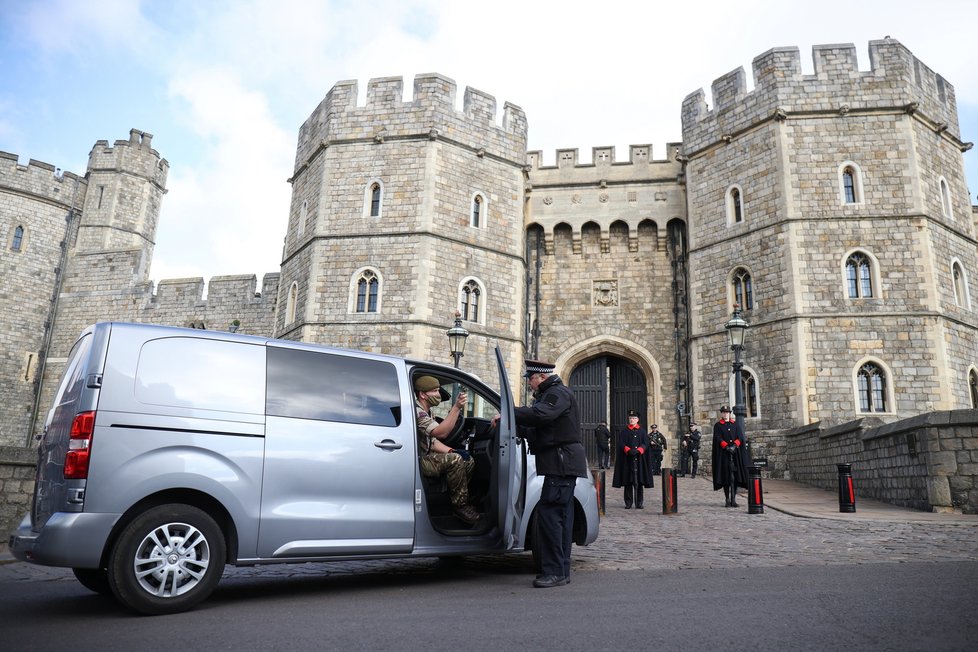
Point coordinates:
[(167, 560), (93, 579)]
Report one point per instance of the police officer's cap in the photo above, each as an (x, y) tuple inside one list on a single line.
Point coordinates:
[(538, 367)]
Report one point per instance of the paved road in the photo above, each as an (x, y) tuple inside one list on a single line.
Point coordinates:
[(808, 530), (707, 577)]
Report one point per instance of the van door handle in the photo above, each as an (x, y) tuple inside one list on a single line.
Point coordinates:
[(388, 445)]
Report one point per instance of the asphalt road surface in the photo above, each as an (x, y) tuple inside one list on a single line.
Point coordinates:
[(482, 604)]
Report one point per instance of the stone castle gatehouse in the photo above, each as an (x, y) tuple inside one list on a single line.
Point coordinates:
[(832, 207)]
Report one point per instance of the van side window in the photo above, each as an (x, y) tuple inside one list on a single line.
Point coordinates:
[(327, 387), (202, 374), (74, 375)]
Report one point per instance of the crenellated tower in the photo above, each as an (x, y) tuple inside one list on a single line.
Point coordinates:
[(835, 206), (402, 212), (605, 297)]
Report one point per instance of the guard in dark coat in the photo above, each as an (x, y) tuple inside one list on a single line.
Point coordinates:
[(657, 445), (552, 428), (602, 439), (694, 446), (633, 466), (730, 460)]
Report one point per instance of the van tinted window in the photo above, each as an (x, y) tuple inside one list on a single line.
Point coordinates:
[(74, 375), (327, 387), (202, 374)]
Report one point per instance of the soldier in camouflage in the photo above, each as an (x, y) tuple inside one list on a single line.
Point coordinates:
[(436, 457)]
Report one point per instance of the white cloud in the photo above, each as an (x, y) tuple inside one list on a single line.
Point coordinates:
[(227, 213)]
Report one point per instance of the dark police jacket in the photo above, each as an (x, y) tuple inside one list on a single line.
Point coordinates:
[(552, 427)]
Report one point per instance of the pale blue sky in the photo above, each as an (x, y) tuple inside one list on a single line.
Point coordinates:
[(224, 85)]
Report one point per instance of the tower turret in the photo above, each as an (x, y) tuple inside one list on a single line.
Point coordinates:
[(403, 212)]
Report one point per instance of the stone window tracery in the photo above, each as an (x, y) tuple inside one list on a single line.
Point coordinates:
[(859, 276), (871, 388), (368, 291), (742, 288), (470, 301)]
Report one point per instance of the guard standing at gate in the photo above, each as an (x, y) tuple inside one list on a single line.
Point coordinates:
[(657, 444), (730, 459), (633, 466)]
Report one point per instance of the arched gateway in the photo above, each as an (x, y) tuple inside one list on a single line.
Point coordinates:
[(607, 387)]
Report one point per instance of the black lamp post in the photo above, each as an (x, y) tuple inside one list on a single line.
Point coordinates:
[(737, 329), (456, 338)]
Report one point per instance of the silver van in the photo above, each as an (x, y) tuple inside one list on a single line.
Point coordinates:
[(171, 452)]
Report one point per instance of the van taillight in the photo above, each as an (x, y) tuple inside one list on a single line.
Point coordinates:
[(79, 446)]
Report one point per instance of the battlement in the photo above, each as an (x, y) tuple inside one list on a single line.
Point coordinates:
[(40, 179), (640, 166), (135, 156), (431, 113), (222, 290), (896, 79)]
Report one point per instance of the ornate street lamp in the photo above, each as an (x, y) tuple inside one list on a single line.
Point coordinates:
[(456, 338), (737, 329)]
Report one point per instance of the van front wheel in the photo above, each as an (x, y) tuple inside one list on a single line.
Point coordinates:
[(167, 560)]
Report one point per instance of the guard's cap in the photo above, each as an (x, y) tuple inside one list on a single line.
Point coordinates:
[(632, 413), (725, 408)]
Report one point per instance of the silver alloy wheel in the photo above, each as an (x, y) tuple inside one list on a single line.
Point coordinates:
[(171, 560)]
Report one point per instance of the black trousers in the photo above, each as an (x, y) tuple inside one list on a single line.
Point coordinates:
[(639, 495), (556, 524)]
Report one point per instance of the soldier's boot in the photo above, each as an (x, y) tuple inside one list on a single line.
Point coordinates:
[(726, 496), (733, 496)]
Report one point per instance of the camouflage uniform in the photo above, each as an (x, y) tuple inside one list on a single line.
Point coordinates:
[(456, 470)]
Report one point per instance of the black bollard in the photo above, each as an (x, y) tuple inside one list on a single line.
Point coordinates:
[(847, 495), (755, 492), (670, 492)]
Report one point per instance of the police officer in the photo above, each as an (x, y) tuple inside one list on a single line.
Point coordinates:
[(694, 446), (552, 427), (657, 444), (684, 444), (602, 439)]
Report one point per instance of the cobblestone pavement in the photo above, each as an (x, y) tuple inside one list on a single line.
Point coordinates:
[(702, 535)]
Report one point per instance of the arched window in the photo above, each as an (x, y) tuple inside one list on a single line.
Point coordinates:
[(735, 205), (871, 388), (748, 385), (478, 204), (973, 388), (368, 291), (743, 288), (18, 239), (961, 297), (946, 209), (850, 184), (291, 303), (303, 213), (750, 392), (859, 276), (373, 200), (471, 301)]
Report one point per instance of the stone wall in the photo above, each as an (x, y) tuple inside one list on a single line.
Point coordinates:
[(17, 468), (928, 462)]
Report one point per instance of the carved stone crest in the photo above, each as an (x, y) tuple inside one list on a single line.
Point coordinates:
[(605, 293)]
